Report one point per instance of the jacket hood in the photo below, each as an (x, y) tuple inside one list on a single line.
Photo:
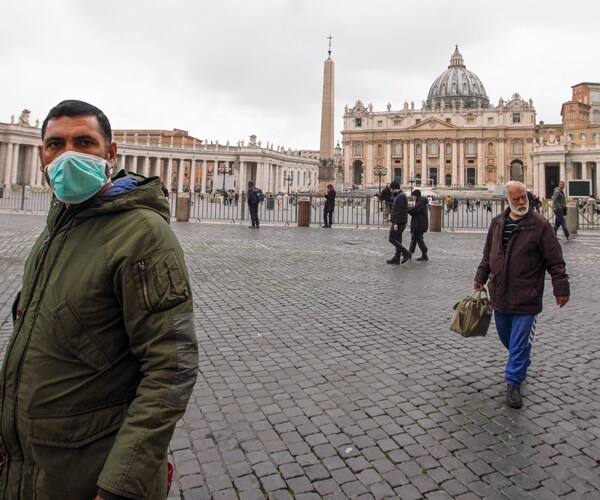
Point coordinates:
[(147, 195)]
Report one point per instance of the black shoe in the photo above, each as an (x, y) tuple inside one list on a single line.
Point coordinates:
[(406, 258), (513, 396), (257, 226), (393, 260), (423, 257), (252, 227)]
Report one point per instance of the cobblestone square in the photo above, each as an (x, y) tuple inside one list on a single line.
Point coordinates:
[(325, 373)]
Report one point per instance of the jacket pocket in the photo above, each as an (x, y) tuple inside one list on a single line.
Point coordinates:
[(77, 429), (78, 339), (162, 283), (528, 292)]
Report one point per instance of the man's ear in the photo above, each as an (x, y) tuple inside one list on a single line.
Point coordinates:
[(112, 153)]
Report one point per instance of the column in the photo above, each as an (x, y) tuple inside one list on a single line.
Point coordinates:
[(368, 167), (563, 171), (146, 167), (480, 166), (8, 164), (500, 170), (14, 172), (180, 174), (243, 177), (442, 167), (404, 162), (411, 167), (192, 174), (347, 165), (203, 181), (461, 163), (455, 180), (134, 164), (424, 175), (32, 167), (541, 179), (388, 162), (157, 170), (169, 175), (121, 162)]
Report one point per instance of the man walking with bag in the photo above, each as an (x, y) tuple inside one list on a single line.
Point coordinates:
[(520, 247), (559, 204)]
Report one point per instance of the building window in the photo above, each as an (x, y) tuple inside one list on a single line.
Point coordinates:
[(448, 120), (470, 121), (596, 115), (595, 95), (448, 149), (516, 117), (470, 148), (418, 120), (433, 149), (397, 123), (397, 149), (571, 137), (582, 136), (418, 149), (517, 148), (490, 120), (358, 150), (358, 122), (490, 148), (379, 150), (380, 123)]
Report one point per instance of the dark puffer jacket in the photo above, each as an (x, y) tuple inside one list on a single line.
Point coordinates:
[(399, 211), (516, 276), (419, 222)]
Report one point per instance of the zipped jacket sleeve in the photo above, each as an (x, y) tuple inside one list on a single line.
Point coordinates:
[(483, 270), (151, 283)]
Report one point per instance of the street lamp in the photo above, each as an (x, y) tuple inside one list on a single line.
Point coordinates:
[(412, 180), (379, 171), (223, 170), (288, 178)]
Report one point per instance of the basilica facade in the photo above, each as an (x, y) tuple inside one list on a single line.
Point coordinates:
[(455, 139)]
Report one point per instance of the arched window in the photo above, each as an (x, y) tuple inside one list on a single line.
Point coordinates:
[(470, 148), (448, 149), (418, 149), (379, 149), (433, 148), (582, 136), (516, 148), (490, 148), (397, 149), (358, 150)]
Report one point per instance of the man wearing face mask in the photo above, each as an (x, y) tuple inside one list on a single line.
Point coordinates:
[(520, 247), (103, 357)]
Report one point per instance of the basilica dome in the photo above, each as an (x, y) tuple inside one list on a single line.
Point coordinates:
[(457, 84)]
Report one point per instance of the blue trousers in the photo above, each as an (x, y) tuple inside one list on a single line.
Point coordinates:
[(516, 332), (559, 221)]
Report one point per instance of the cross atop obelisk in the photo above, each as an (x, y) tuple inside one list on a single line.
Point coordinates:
[(326, 153)]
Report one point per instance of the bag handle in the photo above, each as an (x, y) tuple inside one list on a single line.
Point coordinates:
[(479, 292)]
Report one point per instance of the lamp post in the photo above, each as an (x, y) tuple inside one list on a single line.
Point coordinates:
[(288, 178), (379, 171), (411, 180), (223, 170)]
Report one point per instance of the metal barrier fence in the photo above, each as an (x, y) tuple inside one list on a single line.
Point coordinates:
[(25, 199), (351, 210)]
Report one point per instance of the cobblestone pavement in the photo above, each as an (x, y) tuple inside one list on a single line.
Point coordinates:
[(326, 373)]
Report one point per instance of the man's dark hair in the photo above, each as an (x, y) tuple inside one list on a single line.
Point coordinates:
[(79, 108), (250, 184)]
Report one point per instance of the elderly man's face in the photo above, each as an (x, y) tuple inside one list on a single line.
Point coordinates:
[(518, 201)]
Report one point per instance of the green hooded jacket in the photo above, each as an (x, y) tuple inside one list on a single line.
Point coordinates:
[(103, 357)]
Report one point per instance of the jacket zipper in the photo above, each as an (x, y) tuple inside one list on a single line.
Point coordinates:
[(142, 269)]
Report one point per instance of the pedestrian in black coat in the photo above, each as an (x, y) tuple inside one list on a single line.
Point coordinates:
[(419, 224), (398, 219), (329, 206)]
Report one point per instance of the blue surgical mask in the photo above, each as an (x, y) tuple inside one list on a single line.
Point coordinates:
[(76, 177)]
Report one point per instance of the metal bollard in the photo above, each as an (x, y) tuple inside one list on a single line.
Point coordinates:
[(304, 212), (435, 217)]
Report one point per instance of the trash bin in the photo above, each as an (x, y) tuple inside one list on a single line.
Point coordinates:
[(435, 217), (270, 203)]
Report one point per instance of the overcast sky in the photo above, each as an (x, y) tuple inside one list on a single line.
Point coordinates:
[(227, 69)]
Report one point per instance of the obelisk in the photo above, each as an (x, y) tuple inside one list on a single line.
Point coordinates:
[(326, 153)]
